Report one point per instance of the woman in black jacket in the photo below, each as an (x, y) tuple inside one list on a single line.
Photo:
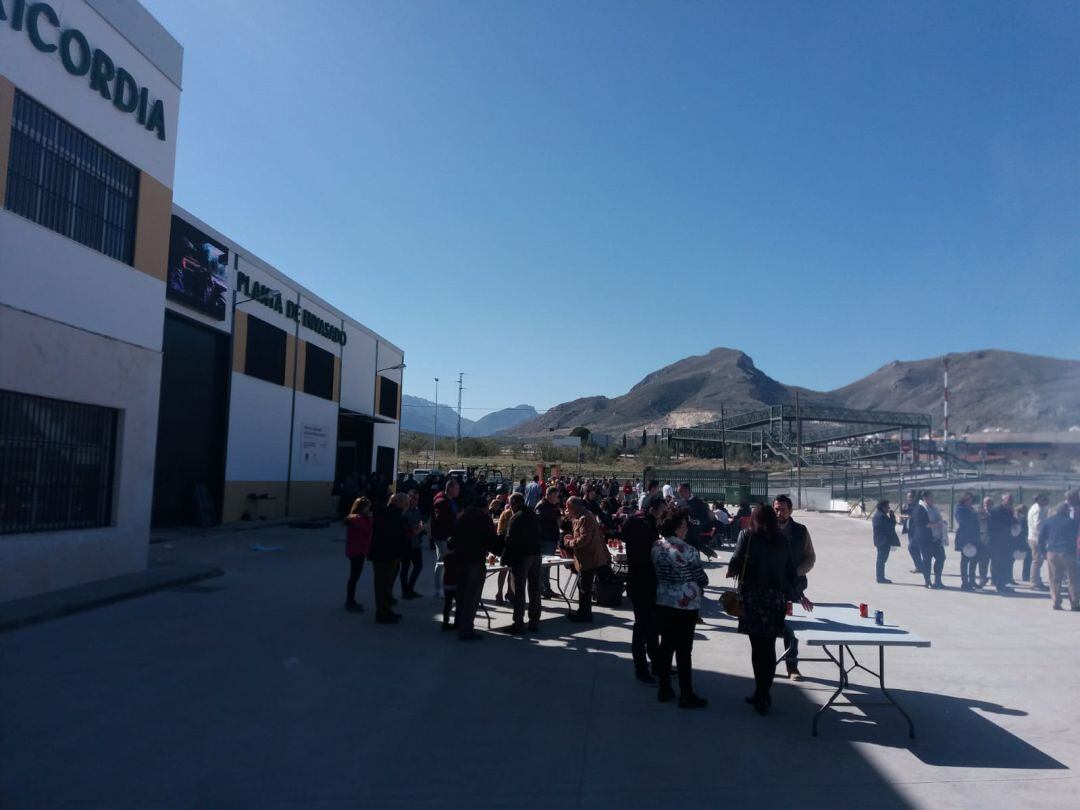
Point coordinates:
[(389, 541), (967, 541), (885, 539), (763, 564)]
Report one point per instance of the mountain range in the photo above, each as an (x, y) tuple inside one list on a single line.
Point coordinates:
[(418, 414), (989, 390)]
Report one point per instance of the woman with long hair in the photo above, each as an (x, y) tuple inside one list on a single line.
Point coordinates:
[(357, 546), (765, 570)]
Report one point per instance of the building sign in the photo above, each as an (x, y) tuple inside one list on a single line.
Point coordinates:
[(112, 82), (314, 445), (272, 299), (198, 269)]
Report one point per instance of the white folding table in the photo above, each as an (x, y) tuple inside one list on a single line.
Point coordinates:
[(841, 627)]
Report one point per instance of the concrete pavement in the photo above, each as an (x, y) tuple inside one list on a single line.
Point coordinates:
[(255, 689)]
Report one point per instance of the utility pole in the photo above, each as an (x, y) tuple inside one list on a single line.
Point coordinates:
[(798, 451), (457, 441), (723, 435), (435, 424), (947, 459)]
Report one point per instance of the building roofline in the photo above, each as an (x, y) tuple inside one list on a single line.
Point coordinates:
[(269, 269), (148, 36)]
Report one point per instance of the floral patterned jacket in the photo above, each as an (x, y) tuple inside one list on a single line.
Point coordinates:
[(680, 576)]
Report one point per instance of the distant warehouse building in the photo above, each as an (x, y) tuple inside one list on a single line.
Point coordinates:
[(150, 368)]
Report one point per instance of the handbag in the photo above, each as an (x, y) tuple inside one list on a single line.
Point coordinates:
[(732, 600)]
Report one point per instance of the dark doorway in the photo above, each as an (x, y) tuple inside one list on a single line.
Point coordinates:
[(191, 420), (384, 462), (355, 440)]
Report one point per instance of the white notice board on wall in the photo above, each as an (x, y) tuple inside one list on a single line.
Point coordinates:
[(314, 445)]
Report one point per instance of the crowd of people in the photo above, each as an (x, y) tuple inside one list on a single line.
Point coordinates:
[(991, 539), (475, 529)]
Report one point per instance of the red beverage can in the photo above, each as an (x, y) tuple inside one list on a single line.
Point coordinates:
[(864, 610), (790, 609)]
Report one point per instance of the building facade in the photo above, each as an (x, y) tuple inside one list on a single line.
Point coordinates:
[(85, 203), (270, 394), (151, 371)]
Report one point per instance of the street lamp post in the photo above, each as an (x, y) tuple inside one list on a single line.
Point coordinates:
[(435, 425)]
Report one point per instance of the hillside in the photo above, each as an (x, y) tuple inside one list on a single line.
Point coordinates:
[(501, 421), (418, 414), (989, 389)]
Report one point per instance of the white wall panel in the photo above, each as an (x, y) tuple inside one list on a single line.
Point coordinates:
[(42, 76), (41, 357), (358, 373), (320, 417), (258, 430), (51, 275)]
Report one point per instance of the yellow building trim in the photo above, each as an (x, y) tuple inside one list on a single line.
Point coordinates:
[(290, 359), (301, 364), (306, 499), (153, 222), (7, 111), (239, 354)]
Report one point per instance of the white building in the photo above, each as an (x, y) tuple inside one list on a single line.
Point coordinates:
[(269, 393), (260, 412)]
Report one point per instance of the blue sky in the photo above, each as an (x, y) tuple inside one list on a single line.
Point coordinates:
[(557, 198)]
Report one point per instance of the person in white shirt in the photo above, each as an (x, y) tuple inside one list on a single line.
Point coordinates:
[(669, 491), (1036, 517)]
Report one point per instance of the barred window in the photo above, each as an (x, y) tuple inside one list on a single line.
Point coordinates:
[(56, 464), (66, 181)]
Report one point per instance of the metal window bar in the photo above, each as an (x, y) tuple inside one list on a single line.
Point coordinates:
[(56, 464), (64, 180)]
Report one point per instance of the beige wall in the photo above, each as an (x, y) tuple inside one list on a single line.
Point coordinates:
[(290, 359), (153, 223), (301, 365), (7, 102), (239, 341), (306, 499)]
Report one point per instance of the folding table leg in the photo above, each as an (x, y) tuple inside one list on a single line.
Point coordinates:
[(884, 691), (840, 686)]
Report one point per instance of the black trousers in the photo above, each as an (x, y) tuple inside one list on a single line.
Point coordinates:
[(356, 568), (645, 642), (526, 575), (584, 591), (882, 558), (791, 644), (470, 586), (968, 566), (1001, 566), (676, 638), (933, 555), (385, 571), (410, 570), (916, 554), (984, 564), (763, 661)]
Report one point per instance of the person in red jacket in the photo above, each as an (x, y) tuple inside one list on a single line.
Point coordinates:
[(444, 514), (357, 546)]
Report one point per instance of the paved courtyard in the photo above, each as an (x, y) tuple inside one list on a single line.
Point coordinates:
[(256, 690)]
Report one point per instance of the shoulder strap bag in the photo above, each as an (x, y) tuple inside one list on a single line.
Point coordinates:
[(732, 600)]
